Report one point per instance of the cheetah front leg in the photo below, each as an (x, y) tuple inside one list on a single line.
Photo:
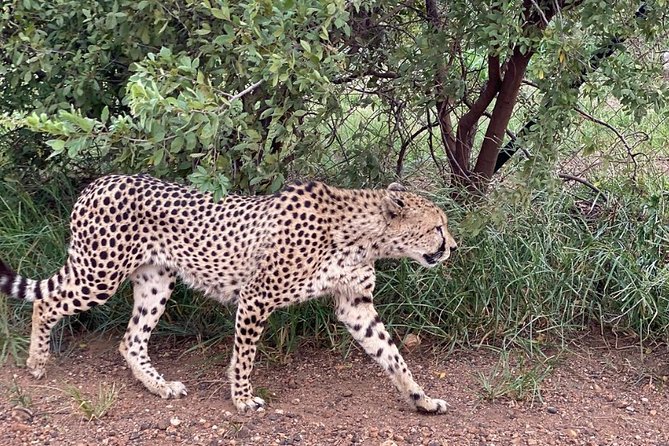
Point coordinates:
[(152, 287), (249, 325), (363, 322)]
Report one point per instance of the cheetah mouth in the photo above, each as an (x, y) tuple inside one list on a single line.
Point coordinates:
[(435, 257)]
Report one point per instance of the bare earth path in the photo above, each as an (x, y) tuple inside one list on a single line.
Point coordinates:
[(596, 395)]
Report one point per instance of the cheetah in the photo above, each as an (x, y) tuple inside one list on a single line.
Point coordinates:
[(258, 252)]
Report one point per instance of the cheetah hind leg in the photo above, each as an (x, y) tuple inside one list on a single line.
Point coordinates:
[(152, 287), (47, 311), (45, 316)]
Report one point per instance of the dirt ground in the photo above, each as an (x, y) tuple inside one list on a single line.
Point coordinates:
[(598, 393)]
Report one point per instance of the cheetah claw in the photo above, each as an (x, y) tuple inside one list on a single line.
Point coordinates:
[(254, 403), (172, 389)]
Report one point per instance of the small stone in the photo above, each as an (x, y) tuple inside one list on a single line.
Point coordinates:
[(572, 433), (552, 410), (20, 427), (22, 414), (653, 412), (163, 424), (243, 432), (630, 408), (347, 393), (174, 421), (411, 341)]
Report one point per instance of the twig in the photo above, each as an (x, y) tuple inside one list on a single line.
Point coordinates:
[(583, 181), (614, 130), (405, 145), (373, 73), (541, 12), (430, 143), (246, 91)]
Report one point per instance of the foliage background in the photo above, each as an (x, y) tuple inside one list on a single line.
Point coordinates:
[(567, 232)]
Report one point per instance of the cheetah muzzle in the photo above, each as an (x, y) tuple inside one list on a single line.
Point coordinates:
[(258, 252)]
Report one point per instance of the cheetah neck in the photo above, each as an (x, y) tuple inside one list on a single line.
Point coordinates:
[(360, 227)]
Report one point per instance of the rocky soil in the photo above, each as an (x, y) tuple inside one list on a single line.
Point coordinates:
[(594, 392)]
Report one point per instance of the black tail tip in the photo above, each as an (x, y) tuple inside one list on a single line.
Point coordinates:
[(5, 270), (7, 277)]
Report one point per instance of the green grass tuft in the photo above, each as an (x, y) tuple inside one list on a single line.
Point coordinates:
[(94, 408), (529, 273)]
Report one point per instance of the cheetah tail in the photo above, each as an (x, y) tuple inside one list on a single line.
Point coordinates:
[(19, 287)]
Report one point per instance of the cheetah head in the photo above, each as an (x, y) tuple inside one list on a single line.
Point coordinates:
[(416, 228)]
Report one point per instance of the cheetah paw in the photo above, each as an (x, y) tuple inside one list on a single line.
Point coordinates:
[(431, 405), (172, 389), (254, 403), (37, 368), (38, 372)]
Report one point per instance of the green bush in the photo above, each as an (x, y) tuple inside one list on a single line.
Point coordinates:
[(527, 272)]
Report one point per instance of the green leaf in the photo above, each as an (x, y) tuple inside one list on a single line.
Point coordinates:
[(104, 116), (222, 13), (58, 145), (158, 157), (177, 144), (277, 183)]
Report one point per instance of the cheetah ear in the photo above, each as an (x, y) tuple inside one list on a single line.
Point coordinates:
[(397, 187), (392, 206)]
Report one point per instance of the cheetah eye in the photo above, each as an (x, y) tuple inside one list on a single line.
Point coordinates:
[(439, 229)]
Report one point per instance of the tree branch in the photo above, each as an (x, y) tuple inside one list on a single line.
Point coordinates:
[(593, 65), (468, 122), (501, 114)]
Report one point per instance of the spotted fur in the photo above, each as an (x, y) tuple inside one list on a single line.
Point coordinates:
[(261, 253)]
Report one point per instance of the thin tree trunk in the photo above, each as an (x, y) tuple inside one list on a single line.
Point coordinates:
[(501, 114)]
